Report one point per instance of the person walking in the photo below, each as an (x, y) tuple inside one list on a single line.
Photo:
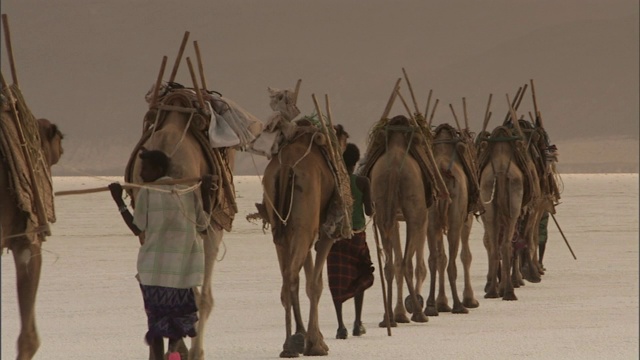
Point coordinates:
[(170, 262), (349, 266)]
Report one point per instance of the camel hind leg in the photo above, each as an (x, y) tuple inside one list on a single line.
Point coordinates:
[(434, 240), (399, 311), (416, 234), (315, 340), (28, 261), (204, 299), (453, 237), (468, 298)]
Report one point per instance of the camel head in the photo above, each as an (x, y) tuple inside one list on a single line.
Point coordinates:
[(51, 141), (342, 136)]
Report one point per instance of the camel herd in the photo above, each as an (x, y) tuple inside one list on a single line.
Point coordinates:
[(435, 180)]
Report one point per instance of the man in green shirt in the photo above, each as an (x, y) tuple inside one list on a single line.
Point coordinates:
[(349, 265)]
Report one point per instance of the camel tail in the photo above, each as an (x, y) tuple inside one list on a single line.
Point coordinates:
[(442, 210), (283, 198), (391, 200), (502, 204)]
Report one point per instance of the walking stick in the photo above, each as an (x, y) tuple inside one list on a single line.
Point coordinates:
[(387, 309), (565, 239)]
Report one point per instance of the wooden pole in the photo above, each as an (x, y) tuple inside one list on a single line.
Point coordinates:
[(506, 118), (514, 116), (524, 90), (538, 120), (7, 40), (406, 107), (39, 207), (464, 109), (487, 114), (426, 110), (203, 80), (333, 132), (195, 85), (413, 96), (324, 127), (442, 185), (433, 112), (297, 91), (131, 186), (392, 98), (387, 308), (455, 117), (564, 237), (176, 64), (156, 88)]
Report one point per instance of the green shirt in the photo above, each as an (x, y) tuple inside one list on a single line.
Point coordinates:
[(357, 216)]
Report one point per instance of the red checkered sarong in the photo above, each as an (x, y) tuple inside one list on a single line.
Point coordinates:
[(349, 267)]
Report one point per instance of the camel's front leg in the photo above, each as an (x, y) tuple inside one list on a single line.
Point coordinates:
[(315, 340), (212, 241), (28, 260)]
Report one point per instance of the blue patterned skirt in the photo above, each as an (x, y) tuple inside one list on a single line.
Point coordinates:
[(171, 313)]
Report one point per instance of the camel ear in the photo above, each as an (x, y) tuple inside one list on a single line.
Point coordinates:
[(52, 131)]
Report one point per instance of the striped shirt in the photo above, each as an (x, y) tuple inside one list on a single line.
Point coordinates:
[(172, 254)]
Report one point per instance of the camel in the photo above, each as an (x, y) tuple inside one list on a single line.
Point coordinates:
[(179, 132), (298, 187), (397, 186), (452, 219), (541, 201), (503, 191), (26, 248)]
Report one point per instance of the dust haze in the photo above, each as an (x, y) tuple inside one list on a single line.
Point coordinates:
[(87, 64)]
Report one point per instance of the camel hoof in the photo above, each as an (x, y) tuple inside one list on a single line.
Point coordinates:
[(318, 349), (288, 354), (530, 274), (408, 304), (459, 310), (510, 296), (443, 307), (296, 343), (383, 324), (493, 294), (419, 317), (194, 353), (470, 303), (342, 333), (359, 329), (431, 310), (401, 318)]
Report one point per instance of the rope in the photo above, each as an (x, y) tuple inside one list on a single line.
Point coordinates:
[(266, 195), (493, 191)]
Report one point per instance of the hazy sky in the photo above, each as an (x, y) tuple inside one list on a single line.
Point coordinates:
[(87, 65)]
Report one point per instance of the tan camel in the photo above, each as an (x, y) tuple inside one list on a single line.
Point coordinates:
[(397, 186), (189, 159), (26, 251), (540, 202), (502, 191), (452, 219), (298, 186)]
